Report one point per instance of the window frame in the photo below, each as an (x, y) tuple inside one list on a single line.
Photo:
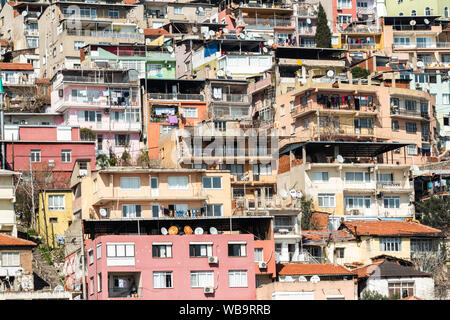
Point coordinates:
[(162, 279), (241, 275)]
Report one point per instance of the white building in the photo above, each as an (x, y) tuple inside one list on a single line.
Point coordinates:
[(7, 198)]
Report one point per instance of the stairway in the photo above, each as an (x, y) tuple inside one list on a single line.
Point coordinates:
[(46, 276)]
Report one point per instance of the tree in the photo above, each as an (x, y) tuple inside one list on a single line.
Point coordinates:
[(323, 33), (306, 208), (374, 295), (358, 72), (434, 212)]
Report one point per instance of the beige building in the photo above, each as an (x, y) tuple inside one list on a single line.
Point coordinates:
[(136, 192), (7, 198), (66, 27)]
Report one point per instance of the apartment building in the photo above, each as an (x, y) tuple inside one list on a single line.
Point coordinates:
[(171, 104), (106, 102), (417, 8), (46, 148), (225, 145), (7, 199), (64, 28), (357, 112), (262, 95), (364, 182), (132, 192)]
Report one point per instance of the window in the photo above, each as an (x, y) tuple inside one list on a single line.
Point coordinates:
[(91, 256), (131, 210), (177, 183), (154, 69), (200, 250), (122, 139), (282, 111), (401, 289), (32, 42), (77, 45), (162, 280), (357, 202), (446, 15), (91, 285), (391, 202), (413, 12), (427, 11), (445, 98), (237, 278), (178, 10), (130, 183), (154, 182), (201, 279), (35, 155), (422, 245), (10, 259), (235, 169), (446, 121), (292, 106), (385, 178), (113, 13), (120, 250), (165, 129), (402, 41), (326, 200), (53, 220), (237, 249), (390, 244), (410, 105), (88, 116), (411, 127), (395, 125), (411, 149), (162, 250), (212, 182), (361, 4), (215, 210), (344, 19), (220, 125), (320, 176), (262, 169), (259, 257), (344, 4), (339, 253), (357, 176), (56, 202), (190, 112), (99, 251), (293, 128), (66, 156), (99, 282)]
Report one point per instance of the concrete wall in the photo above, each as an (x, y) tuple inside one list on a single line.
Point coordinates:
[(423, 286)]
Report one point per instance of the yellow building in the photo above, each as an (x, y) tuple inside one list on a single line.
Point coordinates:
[(55, 214)]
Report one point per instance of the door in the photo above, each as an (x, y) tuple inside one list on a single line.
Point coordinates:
[(154, 187)]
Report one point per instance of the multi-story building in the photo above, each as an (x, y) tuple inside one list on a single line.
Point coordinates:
[(356, 112), (49, 148), (105, 101), (418, 8), (7, 199), (64, 28), (347, 178), (54, 216), (171, 104), (19, 85)]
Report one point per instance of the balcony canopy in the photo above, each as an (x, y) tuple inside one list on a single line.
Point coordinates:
[(405, 20), (165, 85), (346, 149), (309, 53)]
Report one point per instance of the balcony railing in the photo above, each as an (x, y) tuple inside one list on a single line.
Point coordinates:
[(412, 113), (31, 32), (407, 27), (104, 34), (307, 31), (266, 23), (233, 97), (284, 229), (359, 46), (18, 80), (391, 184), (175, 96), (95, 15)]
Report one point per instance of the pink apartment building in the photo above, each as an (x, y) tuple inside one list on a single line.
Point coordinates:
[(105, 101)]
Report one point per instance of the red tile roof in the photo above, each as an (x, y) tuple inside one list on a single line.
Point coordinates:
[(312, 269), (390, 228), (321, 237), (16, 66), (7, 240), (155, 32)]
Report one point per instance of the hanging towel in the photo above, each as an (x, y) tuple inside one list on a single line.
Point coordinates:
[(173, 120)]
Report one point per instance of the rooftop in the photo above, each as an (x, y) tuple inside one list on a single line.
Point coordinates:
[(7, 240), (387, 269), (390, 228), (312, 269), (16, 66)]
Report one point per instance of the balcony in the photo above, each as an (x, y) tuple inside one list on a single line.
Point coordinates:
[(95, 15), (350, 109), (105, 34), (360, 46), (307, 31), (116, 126), (175, 96), (7, 192), (285, 230), (16, 80), (31, 32), (362, 186), (266, 23), (366, 11), (233, 98), (231, 113), (421, 45), (124, 285), (306, 10), (394, 186), (414, 114)]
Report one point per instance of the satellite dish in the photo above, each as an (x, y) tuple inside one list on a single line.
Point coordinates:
[(58, 288), (315, 279), (213, 230), (198, 230), (293, 193), (426, 21), (329, 23), (420, 64), (299, 194), (308, 21), (283, 193), (187, 230), (340, 159), (164, 231), (220, 73), (330, 73), (200, 9), (24, 13), (302, 279), (194, 29), (412, 22), (228, 73), (170, 49), (141, 30), (212, 33), (265, 50), (270, 42), (38, 14), (225, 30), (173, 230), (241, 35), (103, 212)]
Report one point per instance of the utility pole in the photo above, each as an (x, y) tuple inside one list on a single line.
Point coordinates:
[(33, 222), (82, 262)]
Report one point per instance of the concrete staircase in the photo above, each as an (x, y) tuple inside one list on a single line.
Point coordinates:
[(46, 276)]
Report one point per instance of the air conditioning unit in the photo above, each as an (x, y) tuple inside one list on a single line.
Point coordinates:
[(208, 289), (213, 259), (355, 212), (262, 265)]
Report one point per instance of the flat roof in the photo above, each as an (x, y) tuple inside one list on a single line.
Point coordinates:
[(307, 53), (347, 148)]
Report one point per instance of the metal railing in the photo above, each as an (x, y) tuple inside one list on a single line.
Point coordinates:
[(359, 46), (414, 113), (266, 22), (95, 15), (18, 80), (99, 79), (390, 184), (176, 96), (233, 97), (284, 229), (104, 34)]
